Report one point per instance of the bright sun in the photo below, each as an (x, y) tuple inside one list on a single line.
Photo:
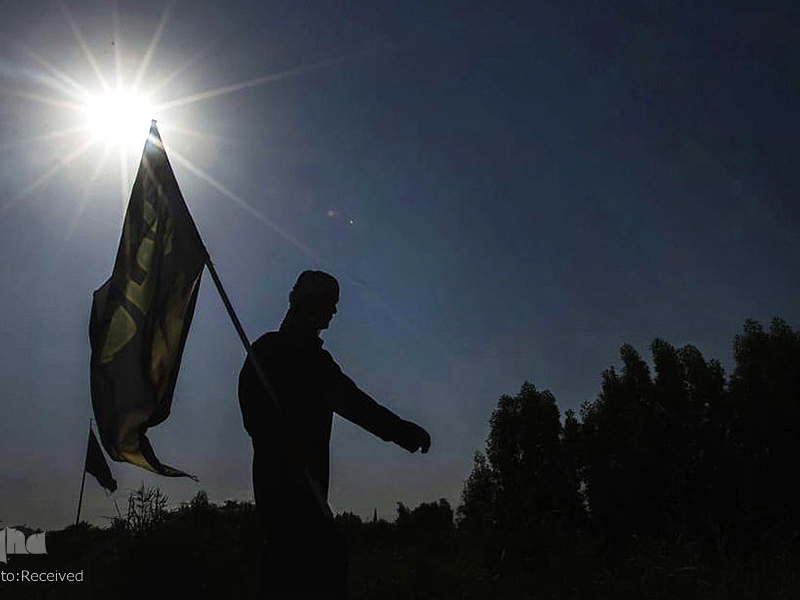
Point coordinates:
[(119, 118)]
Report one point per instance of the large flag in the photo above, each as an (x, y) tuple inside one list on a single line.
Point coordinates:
[(141, 315), (97, 465)]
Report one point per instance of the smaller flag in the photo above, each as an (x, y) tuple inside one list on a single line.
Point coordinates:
[(97, 465)]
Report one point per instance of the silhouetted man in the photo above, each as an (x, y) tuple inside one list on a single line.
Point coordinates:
[(303, 548)]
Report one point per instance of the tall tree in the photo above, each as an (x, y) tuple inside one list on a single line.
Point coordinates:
[(765, 398), (526, 493), (476, 513), (624, 462)]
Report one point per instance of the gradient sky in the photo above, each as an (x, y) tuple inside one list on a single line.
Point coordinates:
[(506, 191)]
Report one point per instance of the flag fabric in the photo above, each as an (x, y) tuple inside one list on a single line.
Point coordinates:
[(97, 465), (141, 315)]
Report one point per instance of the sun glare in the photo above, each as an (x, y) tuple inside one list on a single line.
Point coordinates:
[(119, 118)]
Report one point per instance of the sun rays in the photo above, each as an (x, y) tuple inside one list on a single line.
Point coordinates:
[(243, 85), (46, 176), (78, 90), (115, 111), (200, 174), (84, 46), (151, 48)]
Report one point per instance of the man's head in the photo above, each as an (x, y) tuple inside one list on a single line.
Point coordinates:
[(313, 298)]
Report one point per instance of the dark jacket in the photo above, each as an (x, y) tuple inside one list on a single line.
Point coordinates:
[(310, 387)]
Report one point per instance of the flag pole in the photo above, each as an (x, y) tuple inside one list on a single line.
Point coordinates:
[(83, 478)]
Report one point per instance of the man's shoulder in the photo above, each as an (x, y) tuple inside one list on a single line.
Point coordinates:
[(267, 339), (269, 344), (280, 343)]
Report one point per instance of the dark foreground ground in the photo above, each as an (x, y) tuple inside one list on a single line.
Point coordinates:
[(212, 552)]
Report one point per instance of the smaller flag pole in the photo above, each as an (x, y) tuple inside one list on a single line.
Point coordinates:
[(83, 478)]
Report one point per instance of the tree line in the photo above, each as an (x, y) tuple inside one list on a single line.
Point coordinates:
[(682, 460), (676, 481)]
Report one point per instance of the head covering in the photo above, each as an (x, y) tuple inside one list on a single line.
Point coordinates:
[(314, 283)]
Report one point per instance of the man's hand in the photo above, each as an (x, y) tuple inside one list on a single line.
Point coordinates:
[(412, 437)]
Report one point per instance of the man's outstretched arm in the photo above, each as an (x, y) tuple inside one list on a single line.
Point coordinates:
[(358, 407)]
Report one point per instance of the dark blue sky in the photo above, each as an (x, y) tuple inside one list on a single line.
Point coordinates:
[(506, 191)]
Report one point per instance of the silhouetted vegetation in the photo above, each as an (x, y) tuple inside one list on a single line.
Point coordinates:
[(675, 482), (677, 485)]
